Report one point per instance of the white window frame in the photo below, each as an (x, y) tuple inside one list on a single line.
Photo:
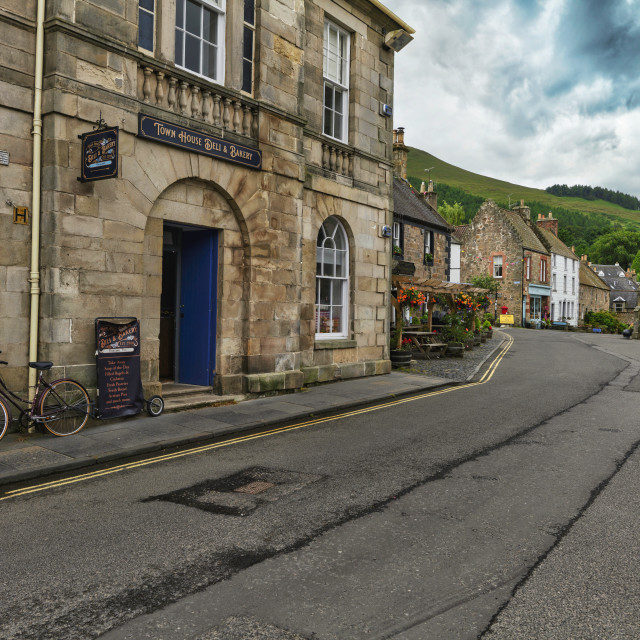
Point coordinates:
[(152, 12), (543, 270), (215, 6), (336, 66), (497, 266), (342, 301), (528, 267), (249, 27), (564, 289)]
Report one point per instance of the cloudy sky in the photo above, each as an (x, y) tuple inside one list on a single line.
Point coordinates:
[(535, 92)]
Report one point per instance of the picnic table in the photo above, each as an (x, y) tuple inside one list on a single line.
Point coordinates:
[(426, 343)]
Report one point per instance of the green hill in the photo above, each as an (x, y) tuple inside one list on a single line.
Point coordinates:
[(502, 192)]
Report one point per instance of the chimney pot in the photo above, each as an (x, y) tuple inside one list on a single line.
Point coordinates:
[(423, 188)]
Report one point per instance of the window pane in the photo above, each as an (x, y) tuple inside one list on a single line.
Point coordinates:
[(247, 45), (336, 292), (193, 24), (325, 291), (179, 47), (324, 323), (341, 264), (329, 264), (192, 53), (337, 126), (249, 11), (338, 101), (146, 4), (180, 14), (209, 60), (247, 75), (145, 30), (328, 96), (210, 25), (336, 319)]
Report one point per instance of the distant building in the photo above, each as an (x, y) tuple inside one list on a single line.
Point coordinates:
[(623, 289), (594, 291), (505, 245), (565, 276)]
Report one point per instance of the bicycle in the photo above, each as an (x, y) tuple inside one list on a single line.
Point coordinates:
[(62, 406)]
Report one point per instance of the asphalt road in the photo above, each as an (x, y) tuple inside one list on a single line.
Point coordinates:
[(436, 518)]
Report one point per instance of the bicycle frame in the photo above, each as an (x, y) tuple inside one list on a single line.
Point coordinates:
[(30, 411)]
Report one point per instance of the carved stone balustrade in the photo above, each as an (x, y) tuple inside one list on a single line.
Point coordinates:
[(198, 100), (337, 159)]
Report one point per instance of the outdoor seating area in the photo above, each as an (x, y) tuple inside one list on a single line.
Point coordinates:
[(425, 344)]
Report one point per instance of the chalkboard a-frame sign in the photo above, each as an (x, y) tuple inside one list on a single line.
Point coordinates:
[(99, 154)]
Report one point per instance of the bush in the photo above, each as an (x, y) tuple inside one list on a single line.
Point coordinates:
[(604, 319)]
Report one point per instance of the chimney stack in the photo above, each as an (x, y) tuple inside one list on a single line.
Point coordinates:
[(549, 223), (524, 211), (431, 196), (400, 153)]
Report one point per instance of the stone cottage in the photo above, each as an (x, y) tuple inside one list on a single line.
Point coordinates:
[(220, 170), (623, 289), (594, 291), (504, 244)]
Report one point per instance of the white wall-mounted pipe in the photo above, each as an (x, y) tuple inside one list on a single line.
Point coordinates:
[(34, 275)]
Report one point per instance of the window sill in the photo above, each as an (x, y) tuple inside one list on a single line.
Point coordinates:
[(340, 343)]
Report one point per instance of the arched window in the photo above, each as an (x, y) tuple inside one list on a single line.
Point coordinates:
[(332, 280)]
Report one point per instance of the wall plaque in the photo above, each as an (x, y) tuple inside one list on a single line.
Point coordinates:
[(177, 136), (99, 154)]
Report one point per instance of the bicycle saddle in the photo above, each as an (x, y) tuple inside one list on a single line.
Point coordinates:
[(43, 366)]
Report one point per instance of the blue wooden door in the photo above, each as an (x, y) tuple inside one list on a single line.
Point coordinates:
[(198, 283)]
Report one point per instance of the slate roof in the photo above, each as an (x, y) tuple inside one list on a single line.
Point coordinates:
[(555, 244), (414, 208), (615, 276), (589, 278), (526, 234), (460, 233)]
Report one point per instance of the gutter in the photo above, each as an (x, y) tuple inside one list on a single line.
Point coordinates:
[(34, 276)]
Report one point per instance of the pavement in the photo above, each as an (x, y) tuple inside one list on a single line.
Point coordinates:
[(28, 456)]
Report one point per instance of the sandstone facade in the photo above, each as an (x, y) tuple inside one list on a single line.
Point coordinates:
[(498, 236), (106, 246)]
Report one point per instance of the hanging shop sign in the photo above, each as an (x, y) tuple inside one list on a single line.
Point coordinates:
[(118, 363), (177, 136), (99, 154)]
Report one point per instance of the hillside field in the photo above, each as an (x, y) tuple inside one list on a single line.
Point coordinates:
[(500, 191)]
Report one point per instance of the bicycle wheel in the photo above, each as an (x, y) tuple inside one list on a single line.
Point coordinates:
[(64, 407), (155, 406), (5, 416)]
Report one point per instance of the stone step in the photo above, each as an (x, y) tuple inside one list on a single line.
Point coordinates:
[(175, 402)]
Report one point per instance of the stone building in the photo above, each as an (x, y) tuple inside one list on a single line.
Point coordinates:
[(252, 176), (594, 291), (505, 245), (421, 236), (623, 289), (565, 277)]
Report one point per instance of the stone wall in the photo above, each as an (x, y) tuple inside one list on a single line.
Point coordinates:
[(102, 241), (414, 252)]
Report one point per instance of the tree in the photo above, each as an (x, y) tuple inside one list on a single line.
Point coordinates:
[(617, 246), (635, 265), (453, 214)]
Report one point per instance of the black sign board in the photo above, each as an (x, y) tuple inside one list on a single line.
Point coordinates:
[(173, 134), (118, 353), (403, 268), (99, 154)]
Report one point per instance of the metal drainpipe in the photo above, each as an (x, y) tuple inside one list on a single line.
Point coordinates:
[(34, 276)]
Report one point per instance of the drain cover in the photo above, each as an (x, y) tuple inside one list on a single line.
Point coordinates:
[(241, 493)]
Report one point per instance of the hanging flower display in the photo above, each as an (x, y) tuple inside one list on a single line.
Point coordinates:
[(411, 297)]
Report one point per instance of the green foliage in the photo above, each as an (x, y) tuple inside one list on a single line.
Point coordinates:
[(635, 265), (486, 325), (618, 246), (595, 193), (453, 214), (604, 319), (454, 330)]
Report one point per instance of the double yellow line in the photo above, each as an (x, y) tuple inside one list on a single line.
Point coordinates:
[(263, 434)]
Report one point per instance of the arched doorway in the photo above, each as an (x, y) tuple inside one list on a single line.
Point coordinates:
[(188, 304)]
